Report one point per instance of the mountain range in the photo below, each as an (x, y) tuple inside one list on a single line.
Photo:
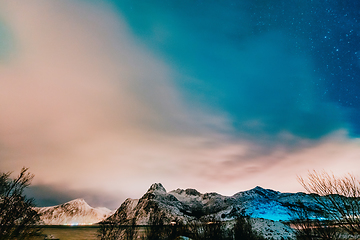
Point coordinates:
[(189, 205), (181, 204), (267, 209)]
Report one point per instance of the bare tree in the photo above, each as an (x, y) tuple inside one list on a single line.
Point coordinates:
[(156, 229), (309, 223), (110, 231), (339, 198), (18, 219), (207, 229), (243, 229)]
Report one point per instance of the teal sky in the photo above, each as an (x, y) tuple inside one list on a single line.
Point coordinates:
[(242, 58)]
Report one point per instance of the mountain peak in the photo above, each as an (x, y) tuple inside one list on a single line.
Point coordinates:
[(263, 191), (188, 191), (156, 187), (73, 212), (258, 188), (78, 201)]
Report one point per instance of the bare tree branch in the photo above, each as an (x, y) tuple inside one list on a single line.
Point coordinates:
[(338, 197)]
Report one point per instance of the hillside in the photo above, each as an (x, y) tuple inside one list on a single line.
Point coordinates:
[(75, 212)]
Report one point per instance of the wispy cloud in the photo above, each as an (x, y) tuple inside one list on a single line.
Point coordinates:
[(82, 104)]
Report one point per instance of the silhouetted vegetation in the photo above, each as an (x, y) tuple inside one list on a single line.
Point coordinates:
[(339, 199), (156, 229), (110, 231), (243, 230), (17, 216), (214, 229), (207, 229), (131, 231), (310, 223), (113, 231)]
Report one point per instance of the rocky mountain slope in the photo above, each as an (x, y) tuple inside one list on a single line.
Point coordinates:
[(75, 212), (189, 205), (265, 207)]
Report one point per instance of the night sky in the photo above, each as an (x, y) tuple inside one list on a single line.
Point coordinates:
[(100, 99)]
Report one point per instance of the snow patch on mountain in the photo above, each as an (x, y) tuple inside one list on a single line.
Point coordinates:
[(75, 212), (272, 229)]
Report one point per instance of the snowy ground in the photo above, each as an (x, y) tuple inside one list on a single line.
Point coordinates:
[(272, 229)]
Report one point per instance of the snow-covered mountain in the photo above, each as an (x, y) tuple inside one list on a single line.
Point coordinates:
[(75, 212), (265, 207), (189, 204)]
